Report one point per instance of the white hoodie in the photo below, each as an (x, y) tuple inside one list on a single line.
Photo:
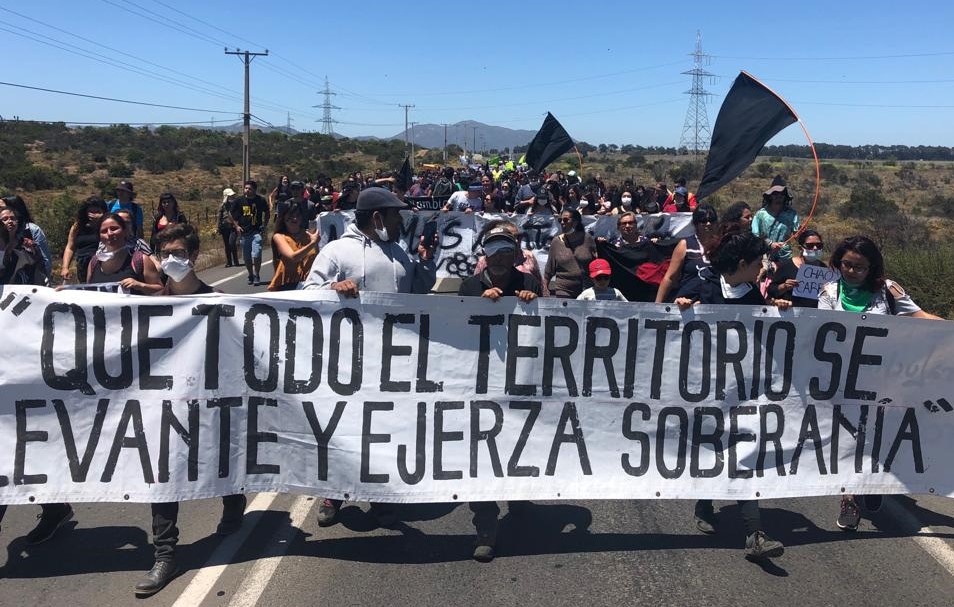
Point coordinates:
[(382, 267)]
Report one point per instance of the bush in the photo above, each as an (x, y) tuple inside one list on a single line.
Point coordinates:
[(868, 203), (926, 273), (56, 218), (763, 170), (119, 169)]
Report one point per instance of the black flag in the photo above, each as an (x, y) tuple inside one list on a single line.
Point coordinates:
[(550, 142), (404, 176), (750, 115)]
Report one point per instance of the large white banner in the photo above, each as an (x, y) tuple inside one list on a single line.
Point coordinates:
[(443, 398), (457, 233)]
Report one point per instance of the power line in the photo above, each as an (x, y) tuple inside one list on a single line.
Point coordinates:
[(108, 61), (185, 29), (843, 58), (171, 107), (939, 81), (115, 123), (882, 105)]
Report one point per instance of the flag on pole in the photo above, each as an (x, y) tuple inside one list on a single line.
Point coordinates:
[(750, 115), (404, 176), (550, 142)]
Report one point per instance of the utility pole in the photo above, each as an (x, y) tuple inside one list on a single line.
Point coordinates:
[(288, 124), (412, 143), (475, 139), (406, 108), (445, 143), (246, 58)]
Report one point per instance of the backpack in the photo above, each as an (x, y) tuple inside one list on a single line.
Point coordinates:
[(443, 187)]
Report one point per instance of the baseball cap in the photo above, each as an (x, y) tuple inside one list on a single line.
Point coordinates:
[(682, 191), (296, 184), (497, 240), (600, 267), (125, 186)]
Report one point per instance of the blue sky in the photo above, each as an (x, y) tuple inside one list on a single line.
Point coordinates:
[(610, 71)]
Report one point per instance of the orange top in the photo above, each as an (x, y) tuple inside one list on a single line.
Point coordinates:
[(285, 274)]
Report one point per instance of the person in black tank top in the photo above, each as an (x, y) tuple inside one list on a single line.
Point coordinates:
[(83, 239), (178, 248), (689, 256), (736, 262), (113, 262)]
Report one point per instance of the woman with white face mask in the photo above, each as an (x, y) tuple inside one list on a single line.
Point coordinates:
[(783, 280), (134, 271)]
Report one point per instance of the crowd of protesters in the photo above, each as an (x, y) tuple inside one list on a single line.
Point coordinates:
[(746, 258)]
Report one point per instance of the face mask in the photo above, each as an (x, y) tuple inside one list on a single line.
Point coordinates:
[(103, 255), (627, 200), (812, 254), (382, 234), (175, 268)]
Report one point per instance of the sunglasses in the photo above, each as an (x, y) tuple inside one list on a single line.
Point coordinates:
[(813, 246), (180, 253)]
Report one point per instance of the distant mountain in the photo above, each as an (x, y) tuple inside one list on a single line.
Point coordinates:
[(237, 128), (488, 137)]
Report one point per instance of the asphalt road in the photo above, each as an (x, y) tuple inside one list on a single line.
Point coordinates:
[(555, 553)]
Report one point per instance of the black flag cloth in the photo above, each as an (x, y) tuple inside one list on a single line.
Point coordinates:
[(404, 176), (550, 142), (750, 115)]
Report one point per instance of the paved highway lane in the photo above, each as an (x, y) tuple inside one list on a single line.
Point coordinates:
[(555, 553)]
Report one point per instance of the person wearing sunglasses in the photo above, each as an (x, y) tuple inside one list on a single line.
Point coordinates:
[(784, 279), (864, 289)]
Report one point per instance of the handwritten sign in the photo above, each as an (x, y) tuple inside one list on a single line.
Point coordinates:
[(811, 278)]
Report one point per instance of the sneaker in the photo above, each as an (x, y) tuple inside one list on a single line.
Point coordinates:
[(707, 522), (849, 516), (48, 525), (251, 279), (706, 519), (162, 573), (258, 279), (328, 512), (873, 503), (232, 518), (759, 546), (484, 552)]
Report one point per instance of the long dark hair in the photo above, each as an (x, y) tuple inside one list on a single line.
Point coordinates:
[(280, 226), (19, 207), (864, 246), (83, 221)]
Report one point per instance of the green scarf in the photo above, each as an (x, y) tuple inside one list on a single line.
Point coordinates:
[(853, 299)]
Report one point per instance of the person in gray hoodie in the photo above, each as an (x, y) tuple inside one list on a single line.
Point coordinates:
[(368, 257)]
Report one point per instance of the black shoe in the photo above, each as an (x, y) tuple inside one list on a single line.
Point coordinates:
[(232, 518), (850, 516), (162, 573), (328, 512), (759, 546), (251, 279), (258, 280), (872, 503), (48, 525)]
